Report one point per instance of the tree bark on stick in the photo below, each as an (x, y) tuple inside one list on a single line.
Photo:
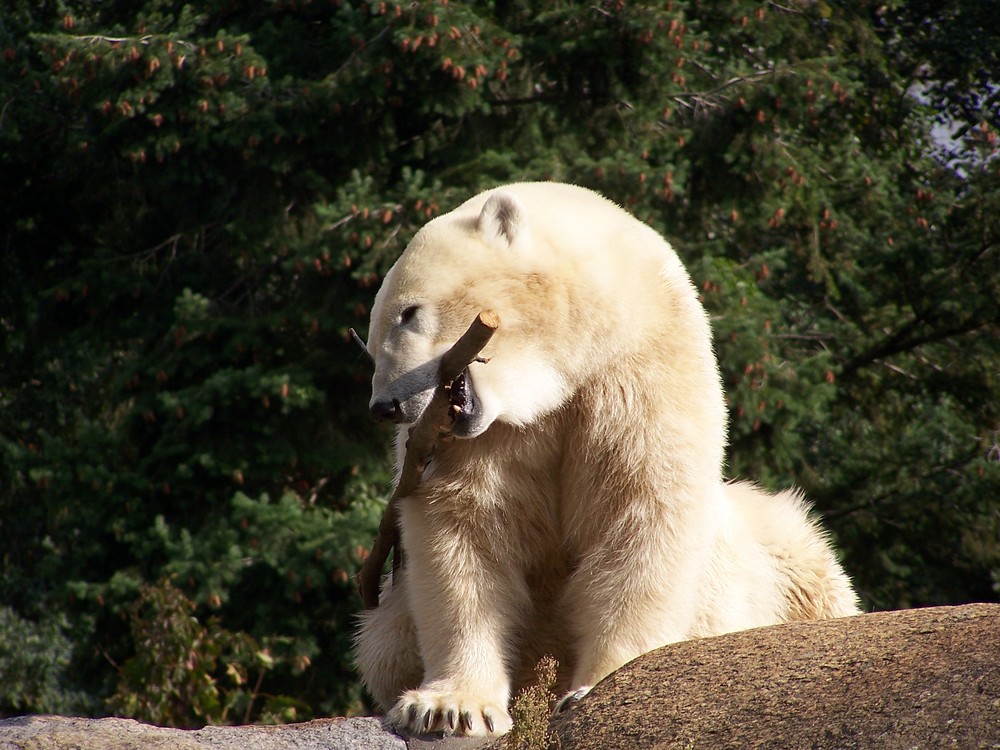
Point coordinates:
[(420, 442)]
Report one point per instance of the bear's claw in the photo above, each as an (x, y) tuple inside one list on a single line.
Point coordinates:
[(427, 711), (571, 698)]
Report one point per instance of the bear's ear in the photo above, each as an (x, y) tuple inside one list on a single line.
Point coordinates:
[(503, 219)]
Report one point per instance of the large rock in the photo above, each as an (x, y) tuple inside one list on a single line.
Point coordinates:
[(924, 679), (927, 678)]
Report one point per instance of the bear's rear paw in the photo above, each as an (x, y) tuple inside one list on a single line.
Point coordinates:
[(423, 711)]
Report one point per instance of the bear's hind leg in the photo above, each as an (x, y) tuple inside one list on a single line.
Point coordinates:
[(387, 654)]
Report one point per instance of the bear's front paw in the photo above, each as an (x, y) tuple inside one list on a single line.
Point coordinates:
[(423, 711)]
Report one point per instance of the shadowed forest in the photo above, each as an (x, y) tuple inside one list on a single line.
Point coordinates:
[(199, 199)]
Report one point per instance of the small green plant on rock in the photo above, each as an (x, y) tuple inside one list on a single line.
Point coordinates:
[(531, 709)]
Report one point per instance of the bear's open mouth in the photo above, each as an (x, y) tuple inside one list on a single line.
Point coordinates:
[(461, 396)]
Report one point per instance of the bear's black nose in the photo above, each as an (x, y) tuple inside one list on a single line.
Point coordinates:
[(390, 411)]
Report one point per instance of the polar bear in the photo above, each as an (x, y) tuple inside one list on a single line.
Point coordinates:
[(580, 510)]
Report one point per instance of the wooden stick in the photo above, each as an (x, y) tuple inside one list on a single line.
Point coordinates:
[(420, 442), (357, 340)]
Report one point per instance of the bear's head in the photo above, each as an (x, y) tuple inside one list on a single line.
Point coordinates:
[(479, 257)]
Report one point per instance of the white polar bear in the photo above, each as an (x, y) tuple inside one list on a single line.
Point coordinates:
[(582, 512)]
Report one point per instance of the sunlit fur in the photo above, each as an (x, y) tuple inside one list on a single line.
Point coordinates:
[(585, 515)]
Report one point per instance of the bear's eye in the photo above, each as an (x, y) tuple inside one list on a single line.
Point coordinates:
[(407, 315)]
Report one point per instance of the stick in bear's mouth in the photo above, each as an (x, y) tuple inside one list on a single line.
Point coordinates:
[(421, 437)]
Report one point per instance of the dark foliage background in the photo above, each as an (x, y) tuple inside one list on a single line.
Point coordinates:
[(198, 199)]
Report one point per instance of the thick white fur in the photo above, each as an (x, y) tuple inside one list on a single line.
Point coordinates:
[(585, 515)]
